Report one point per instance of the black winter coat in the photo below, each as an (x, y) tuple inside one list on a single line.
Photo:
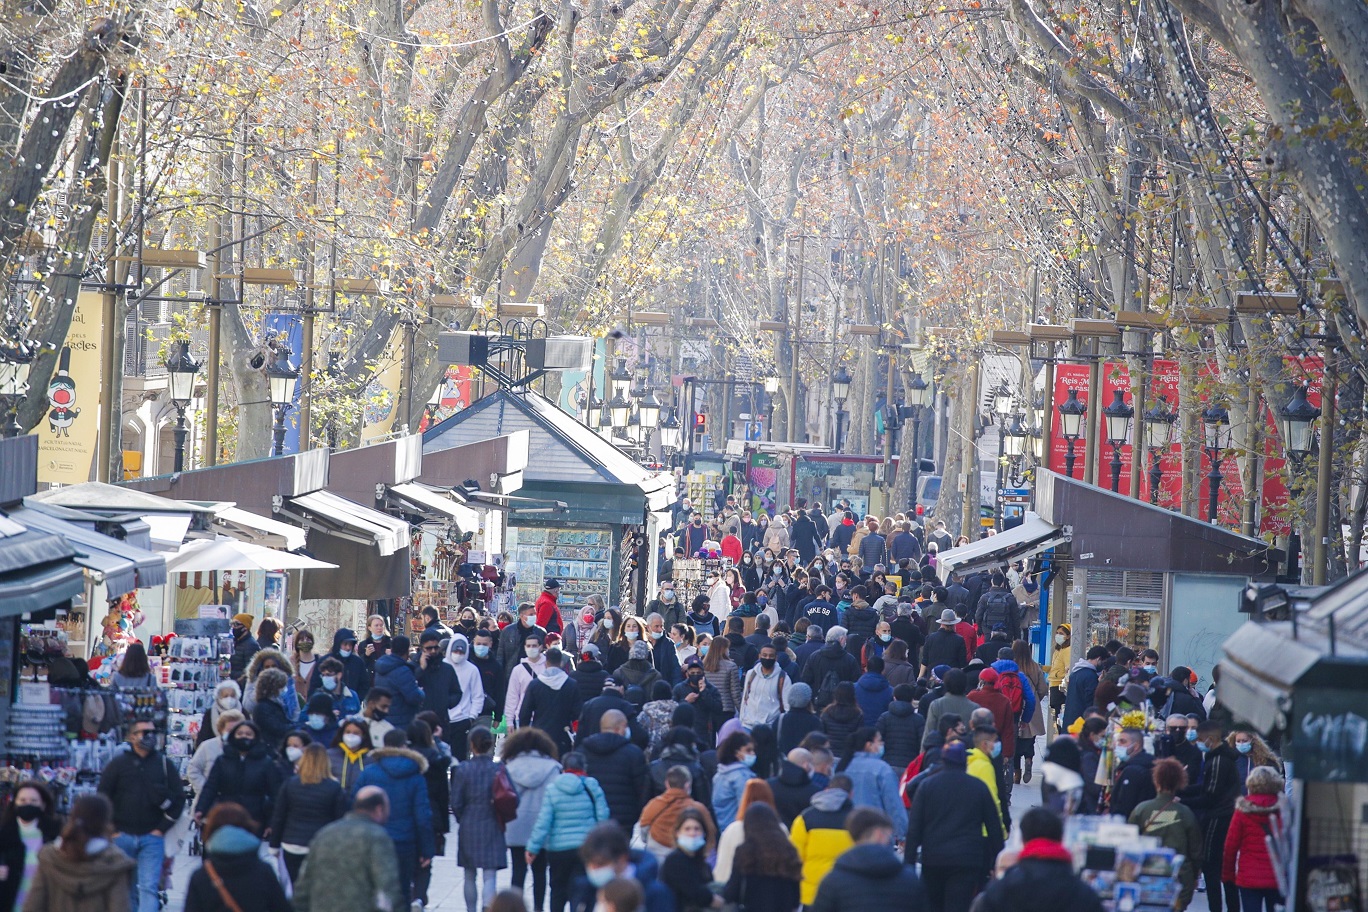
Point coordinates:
[(803, 536), (830, 658), (438, 778), (902, 728), (396, 675), (762, 892), (494, 680), (707, 710), (950, 812), (244, 648), (794, 726), (1038, 885), (620, 768), (301, 810), (944, 647), (252, 780), (870, 878), (441, 687), (862, 622), (272, 722), (250, 881), (840, 722), (592, 716), (988, 652), (147, 792), (1134, 784), (552, 709), (590, 676), (793, 790), (12, 854)]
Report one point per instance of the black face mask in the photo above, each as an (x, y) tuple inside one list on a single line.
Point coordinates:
[(148, 741), (695, 680), (767, 664), (243, 745), (28, 812), (379, 715)]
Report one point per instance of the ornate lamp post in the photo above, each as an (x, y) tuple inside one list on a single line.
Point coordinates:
[(919, 396), (282, 379), (1071, 414), (840, 391), (1158, 432), (16, 358), (182, 372), (1296, 422), (1118, 414), (1016, 433), (620, 379), (671, 434), (619, 410), (771, 390), (1216, 426)]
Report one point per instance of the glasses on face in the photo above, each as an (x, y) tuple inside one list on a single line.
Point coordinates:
[(431, 649)]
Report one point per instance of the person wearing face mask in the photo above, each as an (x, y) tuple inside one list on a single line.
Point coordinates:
[(1134, 780), (376, 715), (662, 650), (701, 618), (466, 696), (148, 797), (303, 659), (246, 774), (873, 782), (244, 646), (524, 673), (693, 535), (227, 697), (695, 691), (751, 577), (1059, 668), (309, 800), (349, 753), (735, 759), (268, 714), (607, 857), (355, 675), (1212, 799), (483, 647), (329, 678), (685, 870), (1179, 742), (1251, 753), (514, 638), (319, 719), (28, 824), (667, 605), (197, 770)]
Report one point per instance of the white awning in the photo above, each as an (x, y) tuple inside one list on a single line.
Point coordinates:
[(423, 499), (260, 530), (230, 554), (167, 529), (341, 517), (1026, 540)]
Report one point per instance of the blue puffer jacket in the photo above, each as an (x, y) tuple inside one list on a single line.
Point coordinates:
[(873, 693), (396, 675), (1028, 694), (399, 771), (572, 806)]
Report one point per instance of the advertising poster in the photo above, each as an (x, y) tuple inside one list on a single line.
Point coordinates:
[(382, 393), (69, 430)]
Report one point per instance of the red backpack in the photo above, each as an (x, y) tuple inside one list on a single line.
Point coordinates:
[(1009, 685)]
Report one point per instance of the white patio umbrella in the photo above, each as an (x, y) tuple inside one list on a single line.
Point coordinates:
[(227, 554)]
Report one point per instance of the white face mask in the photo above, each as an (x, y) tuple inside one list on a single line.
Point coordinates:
[(607, 623), (294, 753), (1060, 638), (352, 740), (533, 652)]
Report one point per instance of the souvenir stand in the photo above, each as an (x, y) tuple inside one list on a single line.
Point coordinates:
[(691, 577), (1129, 872), (197, 660)]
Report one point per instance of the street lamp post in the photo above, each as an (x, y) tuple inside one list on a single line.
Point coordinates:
[(15, 360), (671, 435), (1216, 425), (1158, 432), (840, 391), (919, 396), (1016, 434), (282, 379), (1118, 415), (771, 389), (620, 379), (1002, 407), (181, 371), (1071, 413), (1296, 422)]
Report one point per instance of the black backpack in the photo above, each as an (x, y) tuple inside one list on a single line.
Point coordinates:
[(998, 609), (826, 689)]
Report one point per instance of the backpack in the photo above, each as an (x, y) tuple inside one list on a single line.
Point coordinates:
[(998, 609), (908, 775), (1009, 685), (505, 798), (826, 690)]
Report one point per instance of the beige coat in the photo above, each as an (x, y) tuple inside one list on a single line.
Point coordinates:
[(96, 884)]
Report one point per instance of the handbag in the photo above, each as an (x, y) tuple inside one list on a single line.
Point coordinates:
[(505, 798)]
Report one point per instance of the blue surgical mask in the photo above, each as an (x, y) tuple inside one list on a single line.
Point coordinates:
[(344, 653), (316, 722), (632, 634), (691, 843), (886, 637), (997, 750), (1122, 752), (1244, 747), (481, 652), (1151, 669), (1191, 734), (1202, 746), (600, 877), (329, 682), (703, 650), (748, 759), (879, 751)]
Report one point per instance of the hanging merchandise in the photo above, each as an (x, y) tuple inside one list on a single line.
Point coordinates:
[(195, 666)]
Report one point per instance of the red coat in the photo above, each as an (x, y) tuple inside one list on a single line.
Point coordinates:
[(969, 634), (548, 609), (1002, 716), (731, 547), (1246, 862)]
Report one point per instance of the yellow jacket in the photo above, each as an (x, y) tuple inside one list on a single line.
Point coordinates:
[(820, 836), (980, 766), (1059, 665)]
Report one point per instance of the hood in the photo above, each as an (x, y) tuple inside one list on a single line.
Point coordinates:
[(387, 663), (1045, 850), (793, 775), (604, 743), (81, 878), (263, 656), (1002, 666), (901, 710), (553, 678), (460, 638), (1083, 663), (873, 683), (1060, 778), (684, 753), (231, 840), (398, 762), (1259, 804), (342, 635), (568, 784), (531, 770), (873, 861), (847, 521), (831, 799)]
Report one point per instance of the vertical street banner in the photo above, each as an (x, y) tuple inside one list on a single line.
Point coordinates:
[(70, 427), (381, 407)]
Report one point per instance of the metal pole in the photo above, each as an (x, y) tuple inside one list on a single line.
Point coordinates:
[(1069, 457), (969, 517), (794, 348), (1214, 479), (1048, 424), (889, 407), (306, 330), (1139, 386), (1156, 475), (180, 434), (997, 474), (1249, 521), (279, 448), (1324, 478), (109, 330), (915, 467), (1091, 444), (1116, 467)]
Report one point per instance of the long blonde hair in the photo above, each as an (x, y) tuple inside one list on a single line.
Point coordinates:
[(314, 766)]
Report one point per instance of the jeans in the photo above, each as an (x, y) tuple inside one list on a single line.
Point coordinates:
[(149, 852), (520, 866), (951, 888), (1253, 899), (422, 878), (407, 853), (565, 867), (294, 863)]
